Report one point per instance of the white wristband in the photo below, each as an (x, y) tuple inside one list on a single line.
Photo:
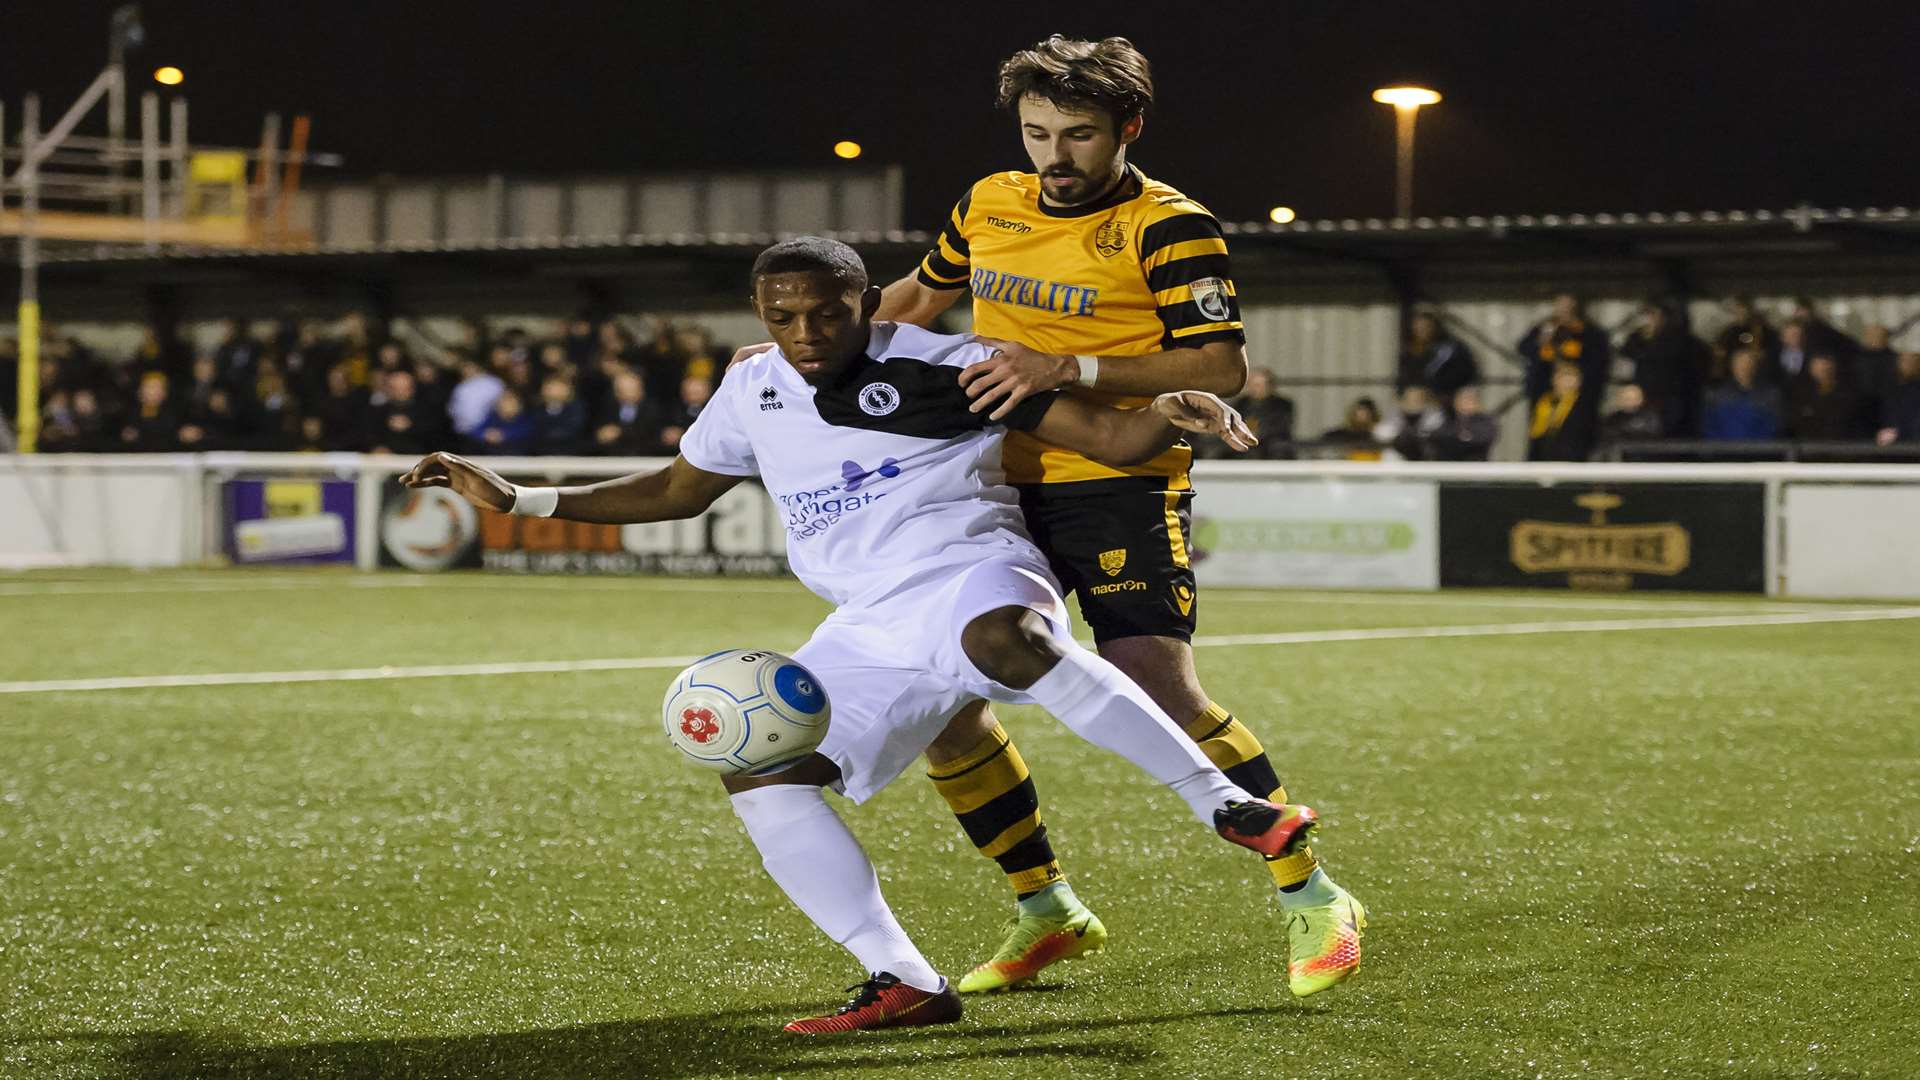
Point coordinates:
[(534, 502), (1089, 369)]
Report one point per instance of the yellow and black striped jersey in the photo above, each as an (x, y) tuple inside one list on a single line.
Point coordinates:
[(1139, 271)]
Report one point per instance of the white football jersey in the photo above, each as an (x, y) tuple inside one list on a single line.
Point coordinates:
[(882, 477)]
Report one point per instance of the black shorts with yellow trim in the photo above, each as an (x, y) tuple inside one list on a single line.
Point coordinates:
[(1121, 544)]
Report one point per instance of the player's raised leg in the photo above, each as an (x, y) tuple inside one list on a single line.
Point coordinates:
[(815, 860), (1018, 649), (1324, 921), (1146, 633), (978, 770)]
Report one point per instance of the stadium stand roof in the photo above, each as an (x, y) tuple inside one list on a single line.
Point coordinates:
[(1652, 235)]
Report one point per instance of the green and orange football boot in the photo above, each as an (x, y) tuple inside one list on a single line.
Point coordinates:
[(1053, 925), (1324, 924)]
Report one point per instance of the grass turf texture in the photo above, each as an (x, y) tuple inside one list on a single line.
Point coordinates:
[(1683, 853)]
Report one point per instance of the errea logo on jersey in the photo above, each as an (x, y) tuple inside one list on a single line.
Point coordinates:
[(770, 399)]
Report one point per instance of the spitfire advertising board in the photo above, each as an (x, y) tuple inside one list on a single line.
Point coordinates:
[(1709, 537)]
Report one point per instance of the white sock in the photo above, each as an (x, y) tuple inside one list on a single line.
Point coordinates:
[(1101, 705), (808, 851), (1316, 891)]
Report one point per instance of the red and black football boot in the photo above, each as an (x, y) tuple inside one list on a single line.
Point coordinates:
[(1270, 829), (883, 1002)]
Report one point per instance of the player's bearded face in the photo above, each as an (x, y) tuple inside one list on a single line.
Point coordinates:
[(819, 322), (1078, 154)]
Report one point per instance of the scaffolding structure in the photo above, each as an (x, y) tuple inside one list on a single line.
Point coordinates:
[(150, 193)]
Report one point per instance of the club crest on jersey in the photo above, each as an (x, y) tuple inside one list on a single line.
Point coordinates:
[(1111, 238), (1113, 561), (879, 399), (1210, 296)]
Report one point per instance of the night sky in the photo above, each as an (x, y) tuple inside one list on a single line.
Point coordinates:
[(1550, 106)]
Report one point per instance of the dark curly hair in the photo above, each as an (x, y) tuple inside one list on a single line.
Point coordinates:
[(812, 255), (1109, 75)]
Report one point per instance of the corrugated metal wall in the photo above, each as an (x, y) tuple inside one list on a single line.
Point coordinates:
[(600, 208), (1324, 355)]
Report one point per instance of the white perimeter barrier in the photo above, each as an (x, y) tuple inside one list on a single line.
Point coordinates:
[(1783, 529)]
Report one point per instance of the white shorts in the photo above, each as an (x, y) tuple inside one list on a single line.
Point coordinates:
[(894, 670)]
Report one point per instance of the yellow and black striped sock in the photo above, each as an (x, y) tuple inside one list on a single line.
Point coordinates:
[(994, 798), (1235, 751)]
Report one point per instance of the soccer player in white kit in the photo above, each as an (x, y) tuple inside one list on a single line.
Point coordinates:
[(896, 511)]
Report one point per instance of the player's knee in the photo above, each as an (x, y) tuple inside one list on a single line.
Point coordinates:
[(1013, 646), (1163, 667), (964, 732)]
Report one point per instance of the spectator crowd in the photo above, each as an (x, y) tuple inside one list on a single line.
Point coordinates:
[(1752, 382), (590, 386), (585, 387)]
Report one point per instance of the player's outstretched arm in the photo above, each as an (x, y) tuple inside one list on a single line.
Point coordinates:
[(911, 300), (1015, 372), (1121, 437), (473, 482), (678, 491)]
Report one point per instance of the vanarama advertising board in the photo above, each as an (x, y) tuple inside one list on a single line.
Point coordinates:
[(433, 529), (1604, 536), (1316, 533)]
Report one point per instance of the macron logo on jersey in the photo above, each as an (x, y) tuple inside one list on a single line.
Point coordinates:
[(1055, 296)]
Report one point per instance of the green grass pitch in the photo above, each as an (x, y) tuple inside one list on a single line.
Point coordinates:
[(1651, 851)]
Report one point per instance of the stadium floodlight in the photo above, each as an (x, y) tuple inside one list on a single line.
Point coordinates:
[(1407, 102), (1280, 215), (169, 76), (1406, 97), (846, 149)]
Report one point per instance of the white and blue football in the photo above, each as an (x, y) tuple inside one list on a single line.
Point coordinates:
[(745, 712)]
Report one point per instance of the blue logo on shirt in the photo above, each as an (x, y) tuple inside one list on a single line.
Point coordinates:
[(810, 513), (853, 475)]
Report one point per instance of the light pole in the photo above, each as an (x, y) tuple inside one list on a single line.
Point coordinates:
[(124, 32), (1406, 102)]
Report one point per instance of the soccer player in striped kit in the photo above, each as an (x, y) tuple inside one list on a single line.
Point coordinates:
[(1089, 275)]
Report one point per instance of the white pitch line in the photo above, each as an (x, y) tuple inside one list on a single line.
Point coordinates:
[(170, 588), (1455, 599), (256, 678), (498, 583), (1592, 626), (242, 582), (1308, 637)]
